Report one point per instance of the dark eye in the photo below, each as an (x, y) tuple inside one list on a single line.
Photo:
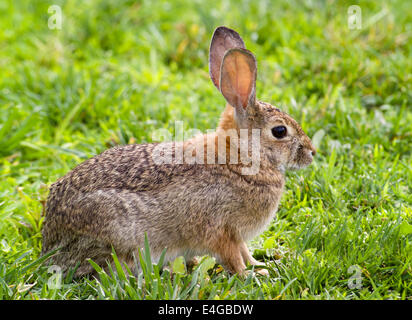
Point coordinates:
[(279, 132)]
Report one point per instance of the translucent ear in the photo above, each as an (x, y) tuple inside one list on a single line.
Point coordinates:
[(223, 39), (238, 78)]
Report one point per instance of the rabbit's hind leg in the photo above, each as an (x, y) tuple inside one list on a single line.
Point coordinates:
[(90, 224), (76, 253)]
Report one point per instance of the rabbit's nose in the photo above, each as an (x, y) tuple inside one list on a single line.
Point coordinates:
[(313, 152)]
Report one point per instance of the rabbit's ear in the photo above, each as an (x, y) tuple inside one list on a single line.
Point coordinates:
[(223, 39), (238, 78)]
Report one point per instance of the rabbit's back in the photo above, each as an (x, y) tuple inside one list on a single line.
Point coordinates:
[(125, 167)]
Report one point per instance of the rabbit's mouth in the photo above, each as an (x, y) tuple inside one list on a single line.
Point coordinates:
[(304, 158)]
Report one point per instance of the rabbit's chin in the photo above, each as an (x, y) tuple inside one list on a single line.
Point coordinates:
[(290, 167), (297, 166)]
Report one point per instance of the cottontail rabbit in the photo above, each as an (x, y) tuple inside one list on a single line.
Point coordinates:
[(212, 205)]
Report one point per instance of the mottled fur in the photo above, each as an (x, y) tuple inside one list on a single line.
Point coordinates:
[(116, 197)]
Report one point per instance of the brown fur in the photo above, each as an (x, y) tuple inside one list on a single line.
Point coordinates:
[(116, 197)]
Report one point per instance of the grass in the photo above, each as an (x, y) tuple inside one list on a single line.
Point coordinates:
[(119, 70)]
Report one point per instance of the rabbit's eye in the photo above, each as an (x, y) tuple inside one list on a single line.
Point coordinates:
[(279, 132)]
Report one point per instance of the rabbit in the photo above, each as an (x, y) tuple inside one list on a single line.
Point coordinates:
[(191, 208)]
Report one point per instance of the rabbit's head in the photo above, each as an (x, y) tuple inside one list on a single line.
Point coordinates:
[(233, 71)]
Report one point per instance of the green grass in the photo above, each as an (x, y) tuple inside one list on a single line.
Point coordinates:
[(118, 70)]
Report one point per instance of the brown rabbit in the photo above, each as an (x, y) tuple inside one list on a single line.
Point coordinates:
[(212, 205)]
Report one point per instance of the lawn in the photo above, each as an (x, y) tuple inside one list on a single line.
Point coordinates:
[(117, 71)]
